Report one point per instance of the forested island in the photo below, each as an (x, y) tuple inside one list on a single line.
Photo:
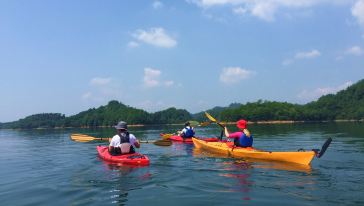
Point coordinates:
[(347, 104)]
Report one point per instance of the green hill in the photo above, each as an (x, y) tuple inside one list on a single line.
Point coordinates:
[(347, 104), (45, 120)]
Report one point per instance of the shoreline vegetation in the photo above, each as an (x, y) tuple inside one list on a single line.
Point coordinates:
[(273, 122), (345, 106)]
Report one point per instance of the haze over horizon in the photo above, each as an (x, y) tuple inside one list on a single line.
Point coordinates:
[(66, 56)]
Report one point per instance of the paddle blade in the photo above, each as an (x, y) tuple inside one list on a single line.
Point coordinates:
[(85, 138), (81, 138), (166, 136), (163, 142), (210, 117)]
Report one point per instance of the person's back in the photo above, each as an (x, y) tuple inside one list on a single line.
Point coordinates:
[(188, 131), (245, 139), (241, 138), (123, 142)]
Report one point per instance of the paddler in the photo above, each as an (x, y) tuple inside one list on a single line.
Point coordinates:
[(123, 142), (188, 131), (242, 138)]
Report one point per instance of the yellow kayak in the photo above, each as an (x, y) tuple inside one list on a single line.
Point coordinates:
[(227, 148)]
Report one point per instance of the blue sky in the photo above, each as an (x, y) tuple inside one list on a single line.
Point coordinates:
[(69, 56)]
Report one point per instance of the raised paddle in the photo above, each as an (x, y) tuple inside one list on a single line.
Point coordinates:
[(214, 120), (87, 138)]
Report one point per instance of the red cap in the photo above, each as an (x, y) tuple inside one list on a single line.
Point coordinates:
[(241, 124)]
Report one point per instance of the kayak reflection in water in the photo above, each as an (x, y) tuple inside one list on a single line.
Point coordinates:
[(123, 142), (188, 131), (241, 138)]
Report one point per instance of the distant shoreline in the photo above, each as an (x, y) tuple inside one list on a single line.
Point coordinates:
[(227, 123)]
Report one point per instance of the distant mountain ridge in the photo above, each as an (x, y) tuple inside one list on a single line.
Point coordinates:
[(347, 104)]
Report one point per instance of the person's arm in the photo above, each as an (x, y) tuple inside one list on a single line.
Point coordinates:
[(233, 135), (137, 144), (111, 147), (133, 140), (183, 131), (226, 132)]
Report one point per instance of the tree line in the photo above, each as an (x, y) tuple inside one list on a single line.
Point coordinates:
[(347, 104)]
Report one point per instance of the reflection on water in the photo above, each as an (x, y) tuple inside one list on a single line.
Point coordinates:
[(237, 171), (125, 178)]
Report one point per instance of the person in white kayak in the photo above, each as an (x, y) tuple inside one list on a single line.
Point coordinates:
[(123, 142)]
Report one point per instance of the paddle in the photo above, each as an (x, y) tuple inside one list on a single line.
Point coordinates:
[(87, 138), (166, 136), (214, 120)]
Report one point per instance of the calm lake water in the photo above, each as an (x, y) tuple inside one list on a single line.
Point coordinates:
[(44, 167)]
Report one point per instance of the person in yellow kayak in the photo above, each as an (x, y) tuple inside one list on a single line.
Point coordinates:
[(123, 142), (241, 138), (188, 131)]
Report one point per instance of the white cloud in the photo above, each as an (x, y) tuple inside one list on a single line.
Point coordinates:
[(265, 9), (153, 106), (157, 5), (302, 55), (287, 62), (358, 11), (103, 89), (151, 77), (231, 75), (307, 55), (239, 10), (311, 95), (99, 81), (87, 95), (355, 50), (133, 44), (156, 37), (169, 83)]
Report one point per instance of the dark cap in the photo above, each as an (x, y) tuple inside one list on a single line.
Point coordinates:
[(122, 125)]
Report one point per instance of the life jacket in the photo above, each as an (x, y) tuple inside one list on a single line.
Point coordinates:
[(124, 137), (189, 132), (125, 146), (245, 140)]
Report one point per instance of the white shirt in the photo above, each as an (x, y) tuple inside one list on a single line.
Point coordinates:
[(185, 129), (115, 141)]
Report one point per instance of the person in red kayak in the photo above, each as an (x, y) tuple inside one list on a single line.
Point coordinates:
[(241, 138), (188, 131), (123, 142)]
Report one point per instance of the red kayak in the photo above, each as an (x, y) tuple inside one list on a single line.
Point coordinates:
[(177, 138), (135, 159)]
